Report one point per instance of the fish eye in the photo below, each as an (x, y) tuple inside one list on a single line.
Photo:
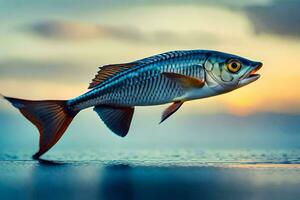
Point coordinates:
[(233, 65)]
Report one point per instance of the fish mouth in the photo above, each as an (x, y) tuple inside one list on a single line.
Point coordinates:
[(251, 76)]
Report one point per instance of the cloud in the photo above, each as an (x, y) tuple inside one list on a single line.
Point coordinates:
[(74, 31), (61, 71), (279, 17)]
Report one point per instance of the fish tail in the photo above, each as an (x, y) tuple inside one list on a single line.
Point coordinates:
[(51, 117)]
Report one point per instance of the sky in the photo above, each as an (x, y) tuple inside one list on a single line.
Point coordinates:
[(52, 50)]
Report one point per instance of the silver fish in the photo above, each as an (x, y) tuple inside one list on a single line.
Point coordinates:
[(173, 77)]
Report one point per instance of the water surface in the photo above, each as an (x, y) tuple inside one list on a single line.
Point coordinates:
[(181, 174)]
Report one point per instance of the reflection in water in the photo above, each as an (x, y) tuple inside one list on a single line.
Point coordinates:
[(124, 182), (94, 180), (49, 162), (117, 182), (50, 180)]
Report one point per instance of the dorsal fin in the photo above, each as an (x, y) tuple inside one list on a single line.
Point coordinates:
[(108, 71)]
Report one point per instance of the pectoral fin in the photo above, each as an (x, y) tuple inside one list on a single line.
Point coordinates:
[(117, 119), (185, 81), (170, 110)]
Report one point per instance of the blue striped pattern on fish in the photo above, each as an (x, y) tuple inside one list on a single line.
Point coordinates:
[(144, 85)]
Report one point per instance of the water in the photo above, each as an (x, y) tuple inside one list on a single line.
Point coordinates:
[(145, 174), (180, 157)]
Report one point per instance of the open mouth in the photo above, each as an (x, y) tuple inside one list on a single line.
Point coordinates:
[(250, 76)]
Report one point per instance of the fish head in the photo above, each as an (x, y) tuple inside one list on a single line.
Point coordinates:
[(227, 72)]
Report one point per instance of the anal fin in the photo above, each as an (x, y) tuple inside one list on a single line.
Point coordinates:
[(117, 119), (170, 110)]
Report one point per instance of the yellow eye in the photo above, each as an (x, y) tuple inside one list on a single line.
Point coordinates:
[(234, 66)]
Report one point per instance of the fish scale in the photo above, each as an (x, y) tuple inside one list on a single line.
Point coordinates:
[(145, 85)]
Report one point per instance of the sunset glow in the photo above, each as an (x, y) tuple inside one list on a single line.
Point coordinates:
[(57, 57)]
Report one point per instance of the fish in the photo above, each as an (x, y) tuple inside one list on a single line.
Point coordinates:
[(173, 77)]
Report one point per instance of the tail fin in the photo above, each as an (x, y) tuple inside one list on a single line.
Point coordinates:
[(51, 117)]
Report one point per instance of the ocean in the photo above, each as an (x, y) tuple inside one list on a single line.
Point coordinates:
[(150, 174)]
